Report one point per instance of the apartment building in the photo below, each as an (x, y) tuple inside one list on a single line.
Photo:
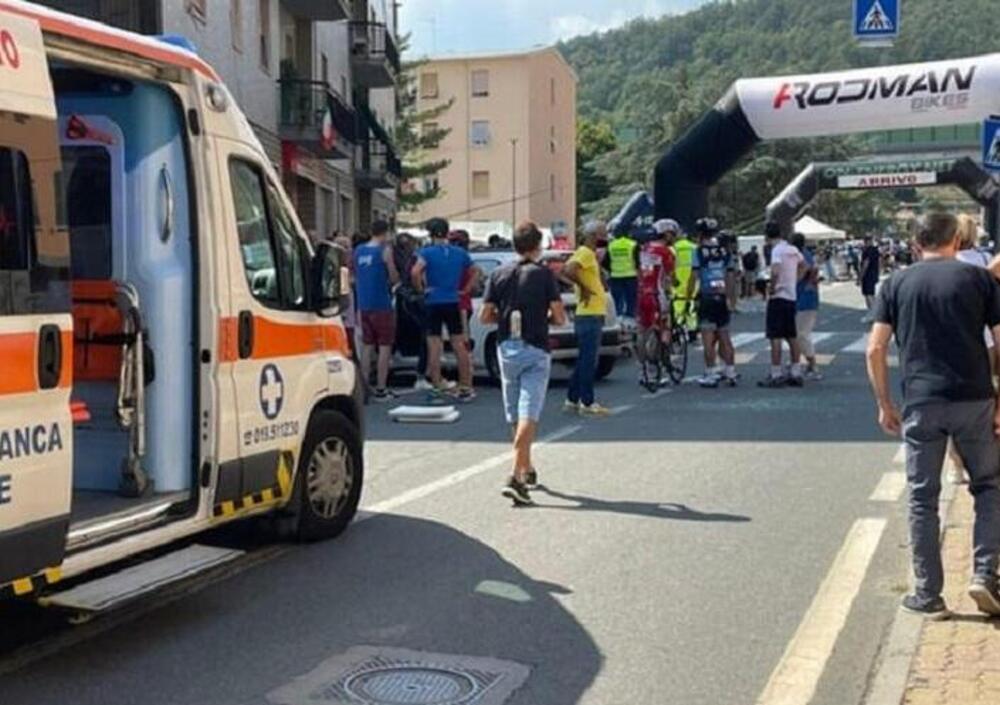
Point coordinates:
[(512, 145), (317, 80)]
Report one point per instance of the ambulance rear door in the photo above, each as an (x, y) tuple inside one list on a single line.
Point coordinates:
[(36, 329)]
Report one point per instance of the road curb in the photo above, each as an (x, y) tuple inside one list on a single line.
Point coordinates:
[(888, 686)]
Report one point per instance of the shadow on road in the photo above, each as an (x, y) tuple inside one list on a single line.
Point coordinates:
[(664, 510), (391, 581)]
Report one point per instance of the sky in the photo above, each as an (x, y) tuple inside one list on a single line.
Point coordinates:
[(464, 26)]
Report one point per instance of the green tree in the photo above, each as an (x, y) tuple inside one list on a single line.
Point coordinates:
[(593, 139), (417, 135)]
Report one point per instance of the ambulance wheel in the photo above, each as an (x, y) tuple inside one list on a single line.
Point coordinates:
[(329, 478)]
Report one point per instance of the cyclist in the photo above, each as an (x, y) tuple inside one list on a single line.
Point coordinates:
[(684, 311), (711, 267), (656, 280)]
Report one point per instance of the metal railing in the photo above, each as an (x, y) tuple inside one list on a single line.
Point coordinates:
[(373, 40), (305, 103)]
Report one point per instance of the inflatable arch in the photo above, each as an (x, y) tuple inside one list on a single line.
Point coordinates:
[(962, 172), (880, 98)]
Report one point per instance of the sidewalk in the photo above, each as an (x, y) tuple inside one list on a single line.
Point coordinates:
[(957, 661)]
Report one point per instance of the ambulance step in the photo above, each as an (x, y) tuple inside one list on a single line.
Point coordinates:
[(131, 583)]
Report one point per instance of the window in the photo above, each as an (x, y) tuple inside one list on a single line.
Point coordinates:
[(552, 139), (264, 25), (552, 187), (431, 184), (552, 91), (236, 23), (428, 85), (198, 9), (87, 178), (480, 133), (480, 83), (480, 184), (274, 255)]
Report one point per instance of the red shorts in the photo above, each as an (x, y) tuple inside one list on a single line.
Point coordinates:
[(652, 308), (378, 327)]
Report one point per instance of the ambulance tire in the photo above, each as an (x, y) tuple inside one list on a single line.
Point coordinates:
[(331, 437)]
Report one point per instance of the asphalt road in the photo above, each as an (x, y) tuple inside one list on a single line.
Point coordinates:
[(675, 551)]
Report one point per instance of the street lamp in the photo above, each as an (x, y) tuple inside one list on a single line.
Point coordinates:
[(513, 183)]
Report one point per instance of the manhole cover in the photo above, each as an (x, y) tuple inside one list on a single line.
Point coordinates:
[(412, 686), (374, 676)]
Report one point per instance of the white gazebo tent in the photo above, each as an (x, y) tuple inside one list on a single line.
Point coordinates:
[(815, 231)]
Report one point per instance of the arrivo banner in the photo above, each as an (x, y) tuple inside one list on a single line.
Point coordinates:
[(879, 98), (870, 181), (23, 70)]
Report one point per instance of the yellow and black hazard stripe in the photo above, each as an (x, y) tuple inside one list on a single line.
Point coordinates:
[(32, 584), (271, 495)]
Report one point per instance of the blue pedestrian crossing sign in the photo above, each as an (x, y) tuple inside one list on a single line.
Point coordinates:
[(991, 143), (876, 19)]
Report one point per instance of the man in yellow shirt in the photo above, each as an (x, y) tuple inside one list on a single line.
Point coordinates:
[(591, 307)]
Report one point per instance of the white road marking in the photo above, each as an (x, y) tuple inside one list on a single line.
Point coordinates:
[(900, 457), (455, 478), (890, 488), (658, 393), (742, 339), (821, 337), (794, 680), (858, 346), (622, 409)]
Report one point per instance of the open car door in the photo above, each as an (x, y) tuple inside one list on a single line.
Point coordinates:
[(36, 329)]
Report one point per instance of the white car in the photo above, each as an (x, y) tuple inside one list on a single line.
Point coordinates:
[(562, 339)]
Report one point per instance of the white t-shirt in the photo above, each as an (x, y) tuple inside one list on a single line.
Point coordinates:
[(785, 259)]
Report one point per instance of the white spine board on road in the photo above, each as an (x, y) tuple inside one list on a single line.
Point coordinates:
[(425, 414)]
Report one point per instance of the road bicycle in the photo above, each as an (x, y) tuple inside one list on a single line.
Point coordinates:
[(662, 363)]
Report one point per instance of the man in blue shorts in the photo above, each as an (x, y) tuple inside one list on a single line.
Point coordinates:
[(522, 299), (712, 268), (439, 272)]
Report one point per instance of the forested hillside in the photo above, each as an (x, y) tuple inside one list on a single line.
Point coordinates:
[(652, 78)]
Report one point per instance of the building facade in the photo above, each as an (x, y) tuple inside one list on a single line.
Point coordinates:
[(512, 139), (317, 80)]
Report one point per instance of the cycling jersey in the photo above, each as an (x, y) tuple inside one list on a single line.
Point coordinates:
[(711, 263), (655, 259)]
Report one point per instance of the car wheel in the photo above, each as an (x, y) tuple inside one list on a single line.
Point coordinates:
[(605, 366), (329, 478), (492, 359)]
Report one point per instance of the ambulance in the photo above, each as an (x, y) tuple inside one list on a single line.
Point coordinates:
[(171, 353)]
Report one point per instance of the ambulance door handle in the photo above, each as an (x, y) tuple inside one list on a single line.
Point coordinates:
[(49, 356), (245, 336)]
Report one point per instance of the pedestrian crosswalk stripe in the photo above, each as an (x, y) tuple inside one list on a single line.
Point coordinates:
[(818, 338), (743, 339), (890, 487), (858, 346)]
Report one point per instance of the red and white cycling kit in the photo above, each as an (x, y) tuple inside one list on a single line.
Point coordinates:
[(655, 260)]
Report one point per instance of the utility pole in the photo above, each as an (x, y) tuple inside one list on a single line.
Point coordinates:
[(513, 184)]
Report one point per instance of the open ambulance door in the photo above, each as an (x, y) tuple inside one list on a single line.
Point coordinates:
[(36, 329)]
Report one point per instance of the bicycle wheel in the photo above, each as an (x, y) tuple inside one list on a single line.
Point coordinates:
[(648, 354), (676, 355)]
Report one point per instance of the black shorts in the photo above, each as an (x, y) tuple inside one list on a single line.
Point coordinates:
[(868, 287), (444, 316), (781, 320), (713, 313)]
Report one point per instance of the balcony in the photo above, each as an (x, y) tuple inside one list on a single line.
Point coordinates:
[(316, 117), (319, 10), (374, 55), (377, 165)]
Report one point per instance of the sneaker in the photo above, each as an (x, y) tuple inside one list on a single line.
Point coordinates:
[(448, 385), (466, 395), (571, 407), (594, 409), (984, 593), (517, 492), (708, 381), (814, 376), (796, 381), (531, 480), (423, 384), (730, 381), (383, 396), (934, 610), (773, 382)]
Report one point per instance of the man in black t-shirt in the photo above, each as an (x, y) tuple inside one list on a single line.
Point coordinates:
[(937, 310), (521, 298)]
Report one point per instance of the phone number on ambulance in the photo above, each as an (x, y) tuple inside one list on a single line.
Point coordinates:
[(272, 432)]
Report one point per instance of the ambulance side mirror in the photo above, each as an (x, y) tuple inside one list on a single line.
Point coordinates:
[(331, 280)]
